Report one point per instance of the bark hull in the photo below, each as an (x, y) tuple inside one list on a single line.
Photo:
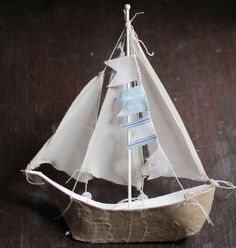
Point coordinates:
[(95, 225)]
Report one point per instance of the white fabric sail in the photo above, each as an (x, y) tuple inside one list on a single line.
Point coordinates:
[(102, 152), (66, 149), (169, 127), (107, 155), (126, 70), (157, 164)]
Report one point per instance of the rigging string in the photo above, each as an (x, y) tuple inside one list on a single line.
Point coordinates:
[(98, 105), (177, 179), (223, 185), (102, 72), (35, 166), (141, 197), (190, 198), (188, 195), (140, 41), (29, 181), (72, 191), (135, 34)]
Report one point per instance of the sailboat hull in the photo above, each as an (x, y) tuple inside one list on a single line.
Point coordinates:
[(156, 224)]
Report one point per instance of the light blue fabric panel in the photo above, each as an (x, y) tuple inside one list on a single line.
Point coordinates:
[(131, 93), (134, 106)]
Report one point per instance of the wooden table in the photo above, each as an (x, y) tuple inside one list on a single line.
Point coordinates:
[(49, 51)]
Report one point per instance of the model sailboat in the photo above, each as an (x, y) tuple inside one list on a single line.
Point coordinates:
[(135, 133)]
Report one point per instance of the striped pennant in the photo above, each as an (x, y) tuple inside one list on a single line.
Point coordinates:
[(141, 132), (142, 142), (137, 122)]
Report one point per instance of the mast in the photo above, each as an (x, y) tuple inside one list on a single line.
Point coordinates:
[(127, 20)]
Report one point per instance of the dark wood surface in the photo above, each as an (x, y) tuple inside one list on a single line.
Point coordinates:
[(48, 52)]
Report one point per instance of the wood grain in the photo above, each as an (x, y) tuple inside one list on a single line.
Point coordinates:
[(49, 51)]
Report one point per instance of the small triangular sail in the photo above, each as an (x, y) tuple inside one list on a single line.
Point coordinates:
[(66, 149), (125, 68)]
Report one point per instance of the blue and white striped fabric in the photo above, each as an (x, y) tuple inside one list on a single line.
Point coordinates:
[(141, 131), (142, 142), (137, 122)]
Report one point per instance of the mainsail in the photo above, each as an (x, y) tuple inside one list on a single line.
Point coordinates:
[(106, 156)]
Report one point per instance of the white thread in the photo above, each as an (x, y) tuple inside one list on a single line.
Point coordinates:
[(217, 183), (71, 198), (65, 210), (189, 196), (86, 186), (150, 54), (177, 179), (142, 196), (72, 175), (29, 181), (136, 14), (229, 185), (140, 79), (126, 200), (117, 43), (102, 73), (77, 170), (127, 24), (136, 36)]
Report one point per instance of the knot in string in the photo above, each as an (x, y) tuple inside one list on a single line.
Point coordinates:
[(142, 196), (222, 184), (214, 183), (189, 196), (128, 24)]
